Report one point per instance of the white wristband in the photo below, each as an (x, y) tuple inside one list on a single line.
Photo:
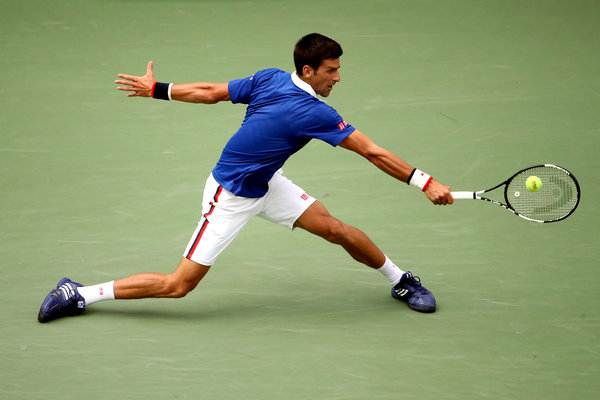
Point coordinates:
[(169, 91), (419, 179)]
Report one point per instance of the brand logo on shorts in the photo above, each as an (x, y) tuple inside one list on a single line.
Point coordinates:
[(304, 197)]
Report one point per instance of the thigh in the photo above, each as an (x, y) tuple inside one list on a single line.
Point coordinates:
[(285, 202), (316, 219), (224, 216)]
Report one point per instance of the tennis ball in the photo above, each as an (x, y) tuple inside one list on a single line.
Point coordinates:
[(533, 183)]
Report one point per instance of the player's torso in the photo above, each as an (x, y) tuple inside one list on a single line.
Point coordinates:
[(276, 116), (271, 132)]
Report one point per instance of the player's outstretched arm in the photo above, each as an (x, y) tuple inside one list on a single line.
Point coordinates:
[(199, 92), (393, 165)]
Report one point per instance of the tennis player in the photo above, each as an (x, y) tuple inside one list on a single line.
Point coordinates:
[(283, 114)]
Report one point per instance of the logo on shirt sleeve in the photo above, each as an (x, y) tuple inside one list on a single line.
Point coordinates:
[(342, 125)]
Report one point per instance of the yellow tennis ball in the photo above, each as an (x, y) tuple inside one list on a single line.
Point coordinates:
[(533, 183)]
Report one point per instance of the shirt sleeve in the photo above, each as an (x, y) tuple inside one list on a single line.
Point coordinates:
[(327, 125), (241, 89)]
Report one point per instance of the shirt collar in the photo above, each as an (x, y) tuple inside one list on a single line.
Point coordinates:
[(303, 85)]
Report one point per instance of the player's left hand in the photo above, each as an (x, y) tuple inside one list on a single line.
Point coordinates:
[(138, 85), (438, 193)]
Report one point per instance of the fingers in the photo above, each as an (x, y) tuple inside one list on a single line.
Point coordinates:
[(137, 85), (129, 77), (439, 194), (149, 68), (121, 82), (126, 88), (149, 72), (445, 198), (441, 201), (129, 88)]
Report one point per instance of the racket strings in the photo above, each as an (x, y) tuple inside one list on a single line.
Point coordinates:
[(557, 197)]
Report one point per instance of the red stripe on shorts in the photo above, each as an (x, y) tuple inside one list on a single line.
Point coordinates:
[(205, 223)]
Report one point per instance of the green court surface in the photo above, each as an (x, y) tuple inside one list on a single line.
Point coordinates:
[(97, 186)]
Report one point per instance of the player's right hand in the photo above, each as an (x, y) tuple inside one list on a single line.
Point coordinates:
[(138, 85), (438, 193)]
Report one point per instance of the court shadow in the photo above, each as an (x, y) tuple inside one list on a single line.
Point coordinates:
[(259, 306)]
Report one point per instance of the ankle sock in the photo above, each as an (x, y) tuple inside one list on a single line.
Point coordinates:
[(94, 293), (391, 271)]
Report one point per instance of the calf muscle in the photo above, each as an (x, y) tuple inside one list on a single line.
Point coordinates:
[(317, 220)]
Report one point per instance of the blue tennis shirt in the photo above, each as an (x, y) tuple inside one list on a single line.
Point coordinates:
[(282, 116)]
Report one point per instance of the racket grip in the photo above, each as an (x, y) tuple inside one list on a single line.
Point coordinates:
[(463, 195)]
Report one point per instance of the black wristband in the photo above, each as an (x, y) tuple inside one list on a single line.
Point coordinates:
[(160, 90), (410, 176)]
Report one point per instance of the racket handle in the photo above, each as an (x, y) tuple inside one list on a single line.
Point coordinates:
[(463, 195)]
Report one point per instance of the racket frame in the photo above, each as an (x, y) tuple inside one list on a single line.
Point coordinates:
[(477, 195)]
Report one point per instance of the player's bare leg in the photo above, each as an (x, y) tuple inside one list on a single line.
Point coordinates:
[(317, 220), (176, 284), (71, 298)]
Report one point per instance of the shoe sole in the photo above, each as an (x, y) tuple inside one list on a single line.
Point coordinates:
[(426, 309)]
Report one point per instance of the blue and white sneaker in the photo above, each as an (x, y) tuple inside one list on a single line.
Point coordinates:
[(64, 301), (410, 290)]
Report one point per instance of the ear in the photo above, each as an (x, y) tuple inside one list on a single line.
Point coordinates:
[(307, 72)]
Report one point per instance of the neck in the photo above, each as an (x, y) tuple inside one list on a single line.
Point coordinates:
[(303, 84)]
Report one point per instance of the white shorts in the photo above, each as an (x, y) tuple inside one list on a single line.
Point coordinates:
[(225, 214)]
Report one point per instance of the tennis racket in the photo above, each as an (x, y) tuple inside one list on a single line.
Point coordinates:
[(557, 198)]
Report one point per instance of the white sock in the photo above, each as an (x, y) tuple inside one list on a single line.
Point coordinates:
[(391, 271), (94, 293)]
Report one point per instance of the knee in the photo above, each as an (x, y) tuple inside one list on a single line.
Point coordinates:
[(177, 288), (336, 231)]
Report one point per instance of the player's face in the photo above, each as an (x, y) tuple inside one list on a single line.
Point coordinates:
[(327, 75)]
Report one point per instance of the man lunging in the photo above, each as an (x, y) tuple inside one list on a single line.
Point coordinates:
[(283, 114)]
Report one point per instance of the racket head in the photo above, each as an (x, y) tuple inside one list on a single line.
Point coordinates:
[(558, 197)]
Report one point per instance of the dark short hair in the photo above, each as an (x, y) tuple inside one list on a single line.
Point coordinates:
[(312, 49)]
